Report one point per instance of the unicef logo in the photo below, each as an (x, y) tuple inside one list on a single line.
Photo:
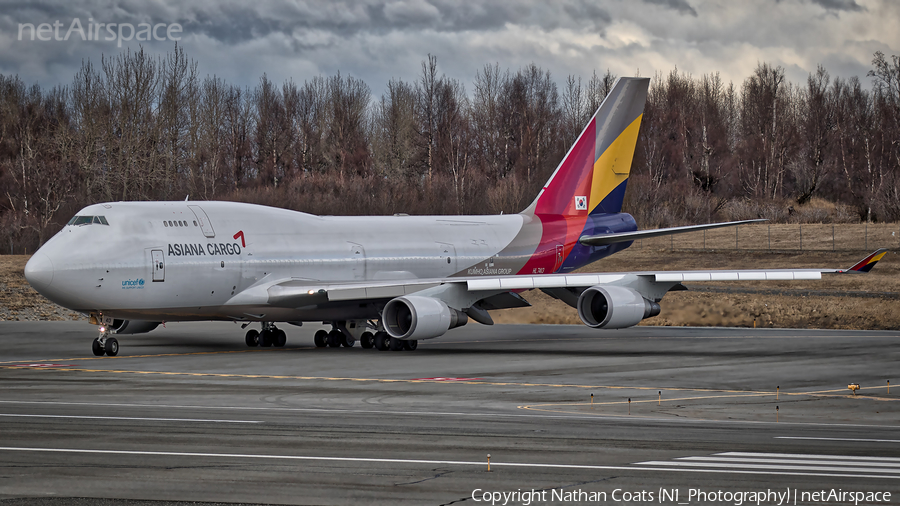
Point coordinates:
[(133, 283)]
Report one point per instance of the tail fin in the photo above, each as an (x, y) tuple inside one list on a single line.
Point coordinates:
[(866, 264), (591, 178)]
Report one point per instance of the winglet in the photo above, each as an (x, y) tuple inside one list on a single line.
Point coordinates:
[(866, 264)]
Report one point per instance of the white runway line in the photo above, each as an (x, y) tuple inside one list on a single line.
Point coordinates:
[(120, 418), (806, 456), (860, 440), (594, 417), (663, 466), (730, 465), (842, 462), (886, 467)]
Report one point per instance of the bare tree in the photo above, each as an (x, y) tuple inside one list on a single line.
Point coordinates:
[(132, 82)]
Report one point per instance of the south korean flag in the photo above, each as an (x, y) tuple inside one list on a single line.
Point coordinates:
[(581, 203)]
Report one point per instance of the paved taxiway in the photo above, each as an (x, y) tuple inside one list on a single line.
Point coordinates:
[(188, 413)]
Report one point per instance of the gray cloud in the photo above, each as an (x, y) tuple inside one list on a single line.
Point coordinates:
[(839, 5), (377, 40), (679, 5)]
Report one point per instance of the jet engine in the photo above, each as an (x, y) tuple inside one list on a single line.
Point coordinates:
[(418, 317), (132, 326), (614, 307)]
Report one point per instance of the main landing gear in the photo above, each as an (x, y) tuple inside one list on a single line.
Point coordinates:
[(105, 345), (342, 334), (333, 339), (269, 336)]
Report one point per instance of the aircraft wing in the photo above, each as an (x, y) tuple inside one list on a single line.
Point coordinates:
[(612, 238), (296, 293)]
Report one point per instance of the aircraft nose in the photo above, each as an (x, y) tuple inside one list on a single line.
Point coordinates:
[(39, 271)]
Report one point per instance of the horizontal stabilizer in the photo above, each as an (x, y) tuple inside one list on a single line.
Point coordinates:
[(603, 239)]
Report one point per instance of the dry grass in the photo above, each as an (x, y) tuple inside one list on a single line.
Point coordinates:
[(857, 237)]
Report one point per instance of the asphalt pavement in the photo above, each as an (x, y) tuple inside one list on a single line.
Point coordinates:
[(568, 415)]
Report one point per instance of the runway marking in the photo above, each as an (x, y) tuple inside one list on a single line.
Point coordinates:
[(562, 414), (805, 456), (461, 381), (838, 334), (121, 418), (185, 354), (647, 466), (606, 414), (43, 365), (441, 380), (446, 379), (799, 460), (841, 439), (886, 467)]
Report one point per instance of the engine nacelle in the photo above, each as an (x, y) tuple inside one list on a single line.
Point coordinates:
[(614, 307), (418, 317), (133, 326)]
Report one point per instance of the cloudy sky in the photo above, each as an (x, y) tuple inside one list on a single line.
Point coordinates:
[(380, 40)]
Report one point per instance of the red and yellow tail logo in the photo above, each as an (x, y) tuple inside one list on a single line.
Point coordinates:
[(591, 178)]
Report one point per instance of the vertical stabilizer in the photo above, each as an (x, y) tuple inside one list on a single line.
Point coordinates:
[(591, 178)]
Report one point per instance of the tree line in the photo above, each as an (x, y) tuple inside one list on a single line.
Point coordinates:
[(139, 127)]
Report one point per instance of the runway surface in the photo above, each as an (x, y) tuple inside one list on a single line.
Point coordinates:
[(189, 413)]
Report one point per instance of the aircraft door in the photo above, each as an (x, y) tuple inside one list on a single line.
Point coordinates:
[(447, 254), (203, 221), (159, 265), (358, 261)]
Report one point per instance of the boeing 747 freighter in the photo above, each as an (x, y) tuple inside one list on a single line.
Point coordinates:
[(385, 281)]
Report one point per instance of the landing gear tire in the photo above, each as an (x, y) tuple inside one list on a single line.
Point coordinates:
[(335, 338), (252, 338), (396, 344), (112, 346), (265, 338), (321, 338), (410, 345), (382, 341), (280, 338), (97, 348), (347, 342), (367, 340)]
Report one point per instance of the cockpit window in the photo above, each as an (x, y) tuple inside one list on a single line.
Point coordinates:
[(88, 220)]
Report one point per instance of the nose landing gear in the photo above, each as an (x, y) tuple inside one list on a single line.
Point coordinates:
[(105, 344)]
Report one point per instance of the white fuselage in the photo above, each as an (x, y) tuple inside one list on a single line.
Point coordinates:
[(114, 268)]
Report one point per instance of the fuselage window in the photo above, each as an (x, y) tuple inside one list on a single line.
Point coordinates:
[(170, 224), (195, 223), (165, 224)]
